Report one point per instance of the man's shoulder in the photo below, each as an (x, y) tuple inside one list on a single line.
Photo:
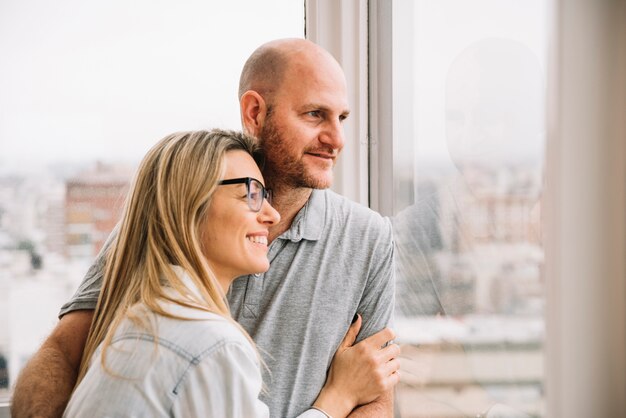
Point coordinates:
[(357, 215)]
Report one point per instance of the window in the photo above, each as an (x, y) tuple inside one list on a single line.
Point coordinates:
[(582, 199), (87, 88), (469, 88)]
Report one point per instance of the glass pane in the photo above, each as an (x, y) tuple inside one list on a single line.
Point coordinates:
[(469, 132), (87, 88)]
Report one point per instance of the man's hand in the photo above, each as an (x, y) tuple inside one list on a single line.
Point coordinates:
[(45, 385), (360, 373), (381, 407)]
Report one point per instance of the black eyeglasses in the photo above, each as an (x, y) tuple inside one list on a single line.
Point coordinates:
[(255, 191)]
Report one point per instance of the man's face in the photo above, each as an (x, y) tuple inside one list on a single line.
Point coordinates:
[(303, 131)]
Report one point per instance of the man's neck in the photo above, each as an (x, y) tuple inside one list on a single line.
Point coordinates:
[(287, 201)]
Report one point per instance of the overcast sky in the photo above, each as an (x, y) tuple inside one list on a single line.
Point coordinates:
[(444, 32), (83, 80), (104, 80)]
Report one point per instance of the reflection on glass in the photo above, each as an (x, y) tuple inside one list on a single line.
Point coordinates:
[(470, 287)]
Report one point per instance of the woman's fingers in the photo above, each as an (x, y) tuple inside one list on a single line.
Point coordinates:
[(353, 331)]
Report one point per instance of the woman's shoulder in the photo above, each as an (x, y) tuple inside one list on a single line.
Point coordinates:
[(188, 332), (201, 331)]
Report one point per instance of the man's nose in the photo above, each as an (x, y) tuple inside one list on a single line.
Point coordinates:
[(333, 135)]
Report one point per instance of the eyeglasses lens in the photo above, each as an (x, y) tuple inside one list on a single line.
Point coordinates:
[(255, 195)]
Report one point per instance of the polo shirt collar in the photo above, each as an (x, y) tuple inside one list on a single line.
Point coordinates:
[(309, 222)]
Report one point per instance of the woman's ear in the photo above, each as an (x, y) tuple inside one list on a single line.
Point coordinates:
[(253, 112)]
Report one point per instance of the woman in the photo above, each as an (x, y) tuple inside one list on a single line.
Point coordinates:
[(162, 342)]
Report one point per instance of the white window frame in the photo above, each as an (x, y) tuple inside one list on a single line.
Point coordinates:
[(341, 27), (585, 211)]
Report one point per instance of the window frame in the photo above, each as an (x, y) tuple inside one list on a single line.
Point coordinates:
[(341, 28), (584, 224)]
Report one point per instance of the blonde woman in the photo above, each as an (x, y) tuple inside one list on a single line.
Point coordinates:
[(162, 342)]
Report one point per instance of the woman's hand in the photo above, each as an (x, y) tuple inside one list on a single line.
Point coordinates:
[(359, 373)]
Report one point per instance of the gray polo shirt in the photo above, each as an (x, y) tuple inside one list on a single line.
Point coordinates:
[(336, 260)]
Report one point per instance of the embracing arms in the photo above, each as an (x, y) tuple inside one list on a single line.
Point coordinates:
[(46, 382), (358, 375), (361, 374)]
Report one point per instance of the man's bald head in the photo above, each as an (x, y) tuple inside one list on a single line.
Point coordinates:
[(266, 68)]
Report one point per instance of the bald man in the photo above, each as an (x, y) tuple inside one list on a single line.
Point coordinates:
[(330, 258)]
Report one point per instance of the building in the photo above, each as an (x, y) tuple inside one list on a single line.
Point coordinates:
[(93, 203)]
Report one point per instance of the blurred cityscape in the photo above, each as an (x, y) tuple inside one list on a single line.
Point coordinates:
[(470, 294), (52, 224), (469, 270)]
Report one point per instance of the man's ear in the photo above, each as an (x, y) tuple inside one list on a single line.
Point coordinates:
[(253, 112)]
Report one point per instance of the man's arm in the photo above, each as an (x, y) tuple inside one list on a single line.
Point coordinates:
[(377, 306), (45, 385), (381, 407), (360, 373)]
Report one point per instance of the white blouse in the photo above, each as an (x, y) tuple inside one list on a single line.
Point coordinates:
[(199, 367)]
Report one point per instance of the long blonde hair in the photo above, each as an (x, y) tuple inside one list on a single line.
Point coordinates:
[(162, 226)]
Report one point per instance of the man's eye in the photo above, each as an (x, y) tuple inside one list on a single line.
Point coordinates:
[(314, 113)]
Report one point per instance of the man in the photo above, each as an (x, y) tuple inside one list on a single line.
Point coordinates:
[(330, 258)]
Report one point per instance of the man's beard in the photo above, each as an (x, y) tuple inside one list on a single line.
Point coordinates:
[(281, 167)]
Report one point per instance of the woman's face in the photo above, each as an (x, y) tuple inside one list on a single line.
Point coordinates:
[(235, 237)]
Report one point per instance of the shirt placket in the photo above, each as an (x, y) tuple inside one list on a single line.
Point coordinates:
[(254, 287)]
